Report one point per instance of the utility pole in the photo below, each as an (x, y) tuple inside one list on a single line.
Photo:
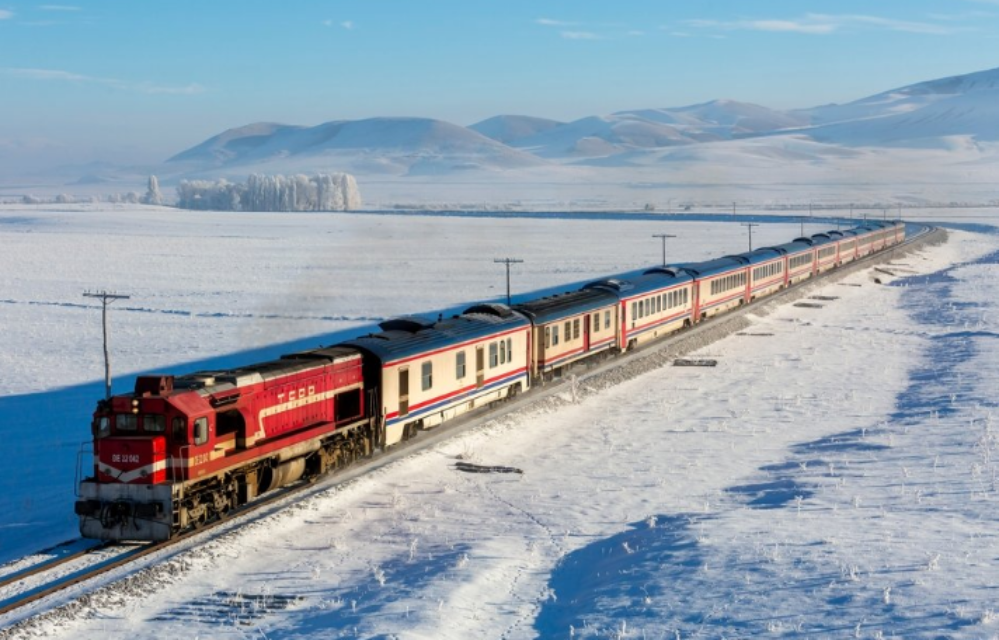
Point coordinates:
[(663, 236), (507, 262), (750, 226), (106, 298), (801, 220)]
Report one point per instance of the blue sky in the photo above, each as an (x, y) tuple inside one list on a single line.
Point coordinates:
[(139, 81)]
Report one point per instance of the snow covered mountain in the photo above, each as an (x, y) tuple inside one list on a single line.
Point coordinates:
[(956, 113), (508, 129), (923, 114), (373, 145)]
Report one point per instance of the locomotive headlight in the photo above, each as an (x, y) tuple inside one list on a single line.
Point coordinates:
[(135, 405)]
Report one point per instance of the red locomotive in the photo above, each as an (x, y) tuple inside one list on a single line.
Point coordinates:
[(181, 451)]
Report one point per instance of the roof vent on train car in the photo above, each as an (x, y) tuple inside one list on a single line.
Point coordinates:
[(153, 385), (613, 284), (669, 271), (490, 309), (409, 324)]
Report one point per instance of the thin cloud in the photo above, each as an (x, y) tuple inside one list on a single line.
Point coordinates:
[(548, 22), (58, 75), (58, 7), (580, 35), (6, 15), (822, 24)]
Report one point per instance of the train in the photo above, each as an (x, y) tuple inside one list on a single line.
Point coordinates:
[(182, 450)]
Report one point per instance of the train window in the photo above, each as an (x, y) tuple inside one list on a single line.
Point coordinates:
[(568, 330), (502, 351), (634, 310), (548, 337), (659, 304), (180, 430), (554, 334), (596, 322), (494, 354), (126, 422), (606, 319), (427, 375), (201, 431), (154, 424), (459, 364), (101, 427), (575, 329), (509, 349)]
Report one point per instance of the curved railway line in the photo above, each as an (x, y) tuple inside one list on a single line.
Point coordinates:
[(23, 587)]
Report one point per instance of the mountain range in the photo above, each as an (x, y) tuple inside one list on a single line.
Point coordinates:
[(960, 110)]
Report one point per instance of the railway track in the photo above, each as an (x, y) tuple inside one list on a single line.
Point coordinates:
[(25, 586)]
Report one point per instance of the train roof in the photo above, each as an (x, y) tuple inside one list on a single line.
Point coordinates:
[(716, 266), (658, 278), (411, 336), (563, 305), (796, 246), (763, 254), (819, 239), (212, 382), (638, 284)]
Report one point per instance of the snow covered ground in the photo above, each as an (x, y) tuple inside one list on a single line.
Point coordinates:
[(833, 476)]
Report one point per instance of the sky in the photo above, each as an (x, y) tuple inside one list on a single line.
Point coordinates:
[(137, 82)]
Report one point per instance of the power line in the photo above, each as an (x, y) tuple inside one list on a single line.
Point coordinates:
[(106, 298), (507, 262), (663, 236), (750, 226)]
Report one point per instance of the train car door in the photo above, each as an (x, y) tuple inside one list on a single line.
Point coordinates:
[(480, 367), (403, 392), (696, 290), (586, 332)]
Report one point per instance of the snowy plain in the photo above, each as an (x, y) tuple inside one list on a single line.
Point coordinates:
[(832, 477)]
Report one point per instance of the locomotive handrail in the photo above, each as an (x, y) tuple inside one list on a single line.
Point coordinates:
[(86, 449)]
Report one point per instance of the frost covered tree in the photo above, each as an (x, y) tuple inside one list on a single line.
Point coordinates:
[(322, 192), (153, 195)]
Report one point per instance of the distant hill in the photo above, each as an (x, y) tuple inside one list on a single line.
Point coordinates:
[(919, 115), (404, 144), (958, 112), (508, 129)]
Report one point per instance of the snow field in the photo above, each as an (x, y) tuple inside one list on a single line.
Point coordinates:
[(832, 479)]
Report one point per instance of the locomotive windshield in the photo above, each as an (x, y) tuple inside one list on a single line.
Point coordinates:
[(102, 427), (153, 423)]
